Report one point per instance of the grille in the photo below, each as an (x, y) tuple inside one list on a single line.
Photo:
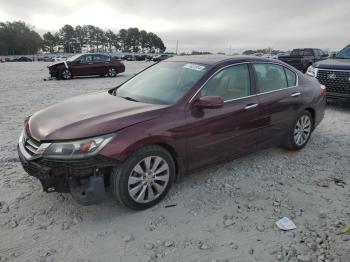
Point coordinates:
[(335, 81), (31, 145)]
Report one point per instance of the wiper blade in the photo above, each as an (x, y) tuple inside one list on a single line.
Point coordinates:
[(129, 98)]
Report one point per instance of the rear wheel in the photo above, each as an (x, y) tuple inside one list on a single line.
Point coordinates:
[(143, 179), (300, 132), (66, 74), (112, 72)]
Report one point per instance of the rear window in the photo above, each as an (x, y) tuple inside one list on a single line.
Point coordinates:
[(301, 52)]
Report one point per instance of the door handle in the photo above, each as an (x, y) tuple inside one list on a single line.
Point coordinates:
[(250, 106), (295, 94)]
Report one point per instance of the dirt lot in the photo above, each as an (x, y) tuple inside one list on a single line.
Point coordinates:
[(226, 213)]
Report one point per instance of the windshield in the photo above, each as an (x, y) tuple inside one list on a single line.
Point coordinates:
[(72, 58), (344, 53), (164, 83)]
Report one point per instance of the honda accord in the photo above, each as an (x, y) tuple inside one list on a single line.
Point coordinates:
[(176, 116)]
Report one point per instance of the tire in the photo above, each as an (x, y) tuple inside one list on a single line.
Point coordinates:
[(143, 189), (66, 74), (300, 132), (112, 72)]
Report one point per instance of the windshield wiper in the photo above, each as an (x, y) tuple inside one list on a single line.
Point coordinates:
[(129, 98)]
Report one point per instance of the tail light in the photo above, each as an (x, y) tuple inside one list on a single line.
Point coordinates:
[(323, 89)]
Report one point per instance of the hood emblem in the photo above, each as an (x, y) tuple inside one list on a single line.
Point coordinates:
[(332, 76)]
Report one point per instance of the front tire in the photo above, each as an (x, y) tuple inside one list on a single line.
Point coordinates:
[(144, 179), (300, 132), (66, 74)]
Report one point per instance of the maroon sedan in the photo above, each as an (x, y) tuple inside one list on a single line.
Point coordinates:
[(174, 117), (87, 65)]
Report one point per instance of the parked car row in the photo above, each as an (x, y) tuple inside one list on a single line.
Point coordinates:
[(143, 57)]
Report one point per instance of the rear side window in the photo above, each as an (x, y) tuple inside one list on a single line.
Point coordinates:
[(230, 83), (270, 77), (291, 77)]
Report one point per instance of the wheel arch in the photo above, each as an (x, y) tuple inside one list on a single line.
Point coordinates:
[(313, 114)]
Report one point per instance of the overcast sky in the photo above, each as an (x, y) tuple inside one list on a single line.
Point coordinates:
[(210, 25)]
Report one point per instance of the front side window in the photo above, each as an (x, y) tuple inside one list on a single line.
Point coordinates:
[(86, 59), (230, 83), (101, 58), (270, 77), (164, 83)]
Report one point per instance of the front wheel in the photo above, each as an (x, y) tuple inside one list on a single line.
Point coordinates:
[(143, 179), (300, 132), (66, 74), (112, 72)]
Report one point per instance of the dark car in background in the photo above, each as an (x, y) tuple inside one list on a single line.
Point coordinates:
[(128, 57), (22, 59), (301, 59), (87, 65), (334, 73), (176, 116), (160, 57)]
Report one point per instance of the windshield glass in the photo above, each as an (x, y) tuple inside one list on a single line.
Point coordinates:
[(344, 53), (164, 83), (72, 58)]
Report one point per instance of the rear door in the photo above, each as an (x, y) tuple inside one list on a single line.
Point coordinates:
[(221, 133), (101, 64), (279, 101)]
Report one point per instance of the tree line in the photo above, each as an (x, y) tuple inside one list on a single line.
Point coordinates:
[(18, 38), (73, 39), (268, 50)]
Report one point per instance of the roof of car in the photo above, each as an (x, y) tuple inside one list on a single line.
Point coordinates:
[(216, 59)]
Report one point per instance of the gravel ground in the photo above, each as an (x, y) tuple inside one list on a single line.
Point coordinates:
[(225, 213)]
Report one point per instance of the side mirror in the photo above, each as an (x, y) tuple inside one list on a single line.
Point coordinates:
[(209, 102)]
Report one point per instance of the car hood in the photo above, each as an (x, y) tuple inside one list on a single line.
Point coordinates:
[(338, 64), (87, 116), (58, 63)]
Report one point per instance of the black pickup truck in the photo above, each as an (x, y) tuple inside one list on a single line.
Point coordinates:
[(334, 74), (301, 59)]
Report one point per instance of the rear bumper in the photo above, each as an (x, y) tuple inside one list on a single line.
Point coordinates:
[(84, 179)]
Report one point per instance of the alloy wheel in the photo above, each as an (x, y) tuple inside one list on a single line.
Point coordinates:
[(302, 130), (112, 72), (148, 179), (66, 74)]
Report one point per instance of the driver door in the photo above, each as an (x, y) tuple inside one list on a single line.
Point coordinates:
[(83, 66), (217, 134)]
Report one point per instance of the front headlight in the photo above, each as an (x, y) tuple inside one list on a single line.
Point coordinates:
[(311, 71), (77, 149)]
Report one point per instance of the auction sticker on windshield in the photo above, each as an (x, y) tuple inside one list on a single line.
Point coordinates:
[(194, 67)]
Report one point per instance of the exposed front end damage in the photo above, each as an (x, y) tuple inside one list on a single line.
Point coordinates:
[(85, 179)]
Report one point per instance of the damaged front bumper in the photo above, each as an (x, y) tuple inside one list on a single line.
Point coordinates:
[(84, 179)]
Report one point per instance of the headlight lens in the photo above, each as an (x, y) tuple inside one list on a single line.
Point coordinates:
[(311, 71), (77, 149)]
